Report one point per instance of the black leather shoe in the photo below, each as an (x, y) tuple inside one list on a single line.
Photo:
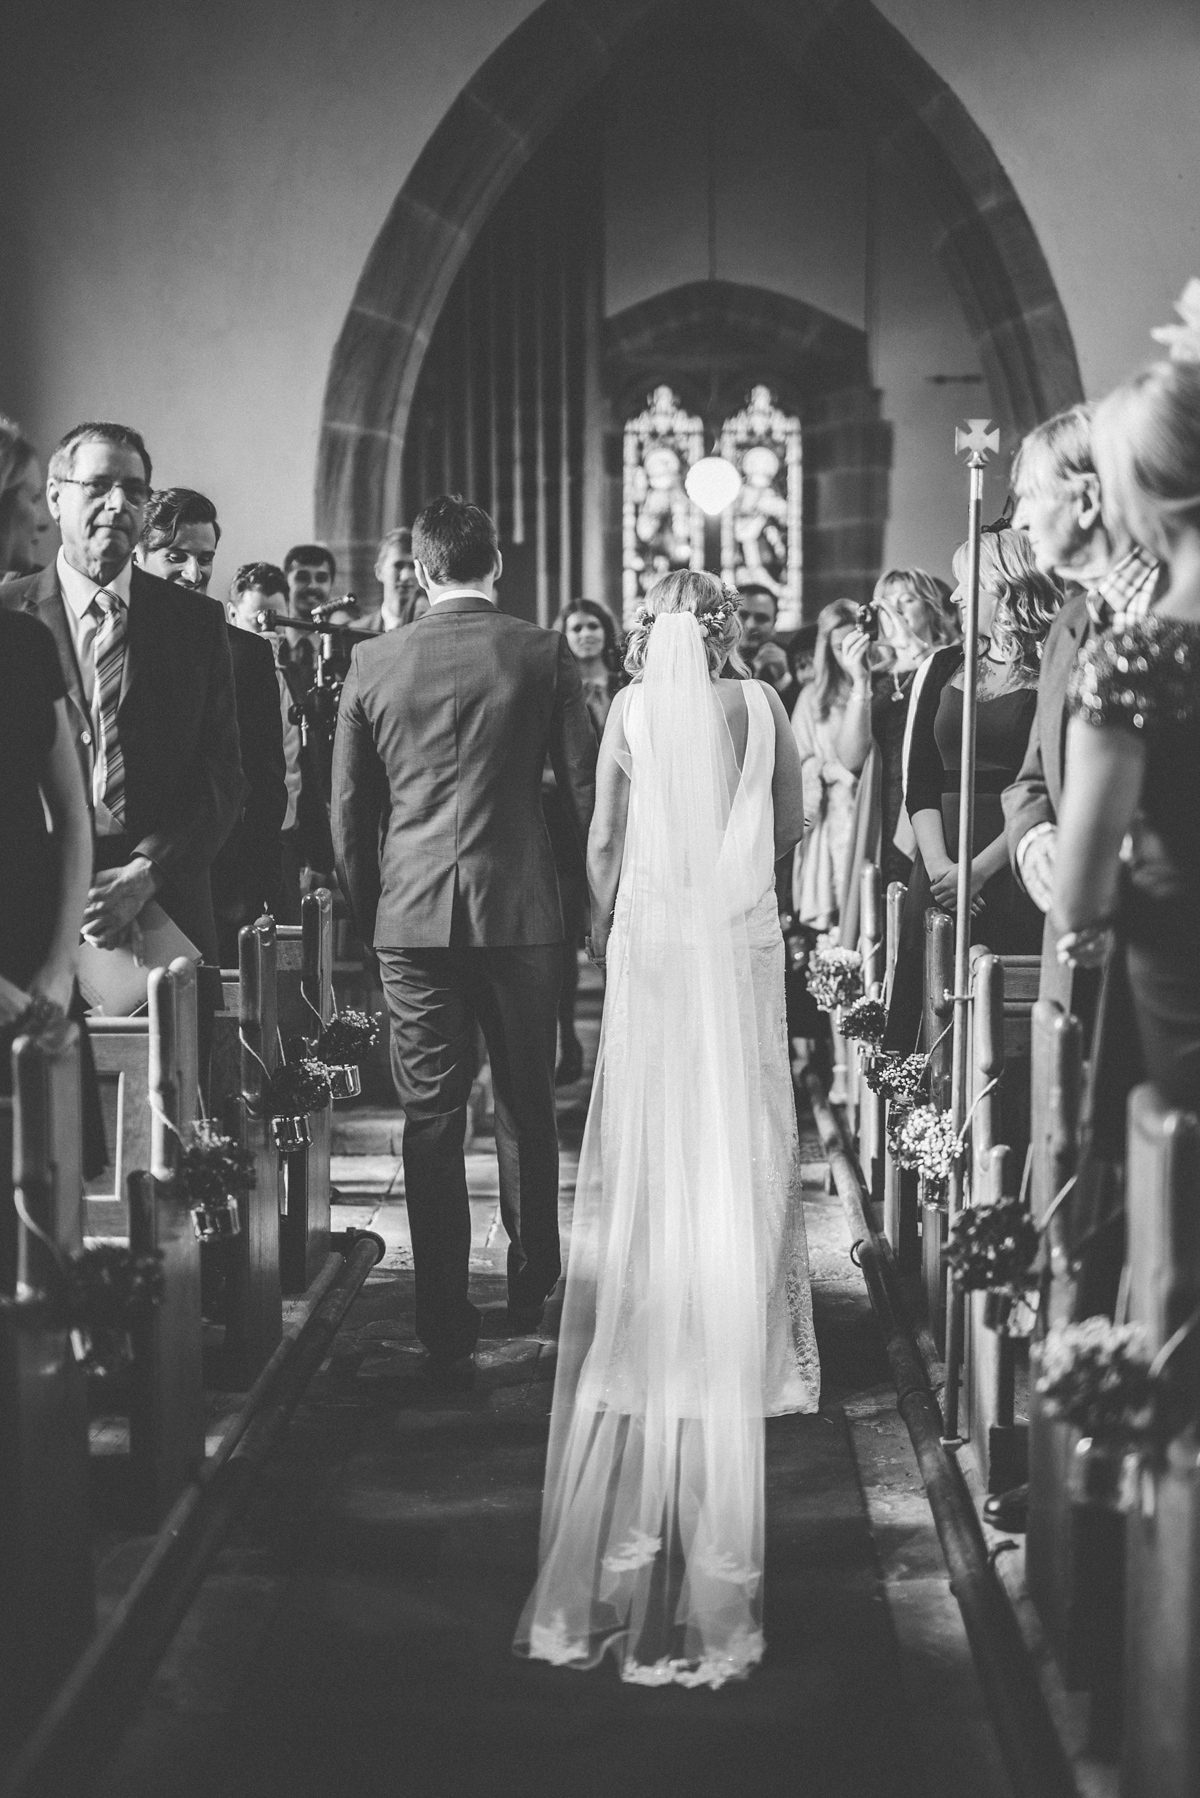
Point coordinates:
[(570, 1066), (1008, 1510), (525, 1319), (446, 1375)]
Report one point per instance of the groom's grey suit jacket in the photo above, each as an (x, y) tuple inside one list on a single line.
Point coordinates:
[(443, 734)]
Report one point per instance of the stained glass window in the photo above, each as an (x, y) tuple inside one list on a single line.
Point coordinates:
[(761, 530), (661, 528)]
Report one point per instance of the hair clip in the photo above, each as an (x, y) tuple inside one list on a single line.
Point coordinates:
[(1183, 341)]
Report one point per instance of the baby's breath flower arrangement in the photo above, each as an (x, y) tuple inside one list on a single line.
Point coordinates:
[(1096, 1375), (348, 1039), (926, 1140), (865, 1021), (992, 1248), (897, 1078), (214, 1171), (834, 975)]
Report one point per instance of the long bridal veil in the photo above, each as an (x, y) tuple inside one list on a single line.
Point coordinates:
[(652, 1519)]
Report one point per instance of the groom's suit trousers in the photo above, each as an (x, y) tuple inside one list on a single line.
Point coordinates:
[(435, 998)]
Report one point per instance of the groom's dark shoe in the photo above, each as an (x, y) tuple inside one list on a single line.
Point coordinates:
[(525, 1319), (450, 1375)]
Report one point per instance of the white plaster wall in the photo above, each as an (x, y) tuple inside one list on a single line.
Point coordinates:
[(190, 190)]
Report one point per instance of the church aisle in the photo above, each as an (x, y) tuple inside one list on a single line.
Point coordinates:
[(354, 1635)]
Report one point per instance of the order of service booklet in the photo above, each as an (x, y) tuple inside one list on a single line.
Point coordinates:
[(114, 981)]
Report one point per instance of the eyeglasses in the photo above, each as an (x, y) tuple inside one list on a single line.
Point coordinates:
[(136, 492)]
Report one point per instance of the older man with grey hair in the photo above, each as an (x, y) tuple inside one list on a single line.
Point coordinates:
[(1059, 507)]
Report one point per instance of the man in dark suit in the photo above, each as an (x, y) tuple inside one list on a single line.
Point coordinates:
[(179, 539), (443, 855), (149, 693), (1059, 508)]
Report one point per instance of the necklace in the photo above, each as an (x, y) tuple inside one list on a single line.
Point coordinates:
[(897, 695)]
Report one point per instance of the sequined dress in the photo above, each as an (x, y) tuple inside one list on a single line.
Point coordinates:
[(1145, 678)]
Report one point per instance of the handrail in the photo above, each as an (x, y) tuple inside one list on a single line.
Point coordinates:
[(85, 1720)]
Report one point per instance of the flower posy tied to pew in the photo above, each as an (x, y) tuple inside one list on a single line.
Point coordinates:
[(213, 1172), (834, 977), (341, 1048), (993, 1249), (1098, 1376)]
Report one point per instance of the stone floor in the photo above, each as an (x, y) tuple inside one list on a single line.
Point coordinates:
[(354, 1635)]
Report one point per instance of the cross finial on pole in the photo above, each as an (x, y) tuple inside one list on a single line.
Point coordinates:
[(981, 440)]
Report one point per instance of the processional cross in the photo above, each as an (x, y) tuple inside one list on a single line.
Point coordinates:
[(981, 441)]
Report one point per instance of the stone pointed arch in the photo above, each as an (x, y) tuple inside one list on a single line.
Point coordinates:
[(546, 67)]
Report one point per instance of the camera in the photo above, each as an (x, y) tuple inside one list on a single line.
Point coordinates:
[(867, 619)]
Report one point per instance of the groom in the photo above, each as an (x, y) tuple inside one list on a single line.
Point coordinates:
[(443, 734)]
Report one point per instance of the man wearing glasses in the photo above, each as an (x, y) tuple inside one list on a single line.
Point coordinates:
[(149, 694)]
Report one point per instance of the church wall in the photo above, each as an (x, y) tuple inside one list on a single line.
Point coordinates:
[(191, 192), (791, 216)]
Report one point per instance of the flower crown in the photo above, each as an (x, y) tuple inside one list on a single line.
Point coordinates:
[(1183, 341), (713, 623)]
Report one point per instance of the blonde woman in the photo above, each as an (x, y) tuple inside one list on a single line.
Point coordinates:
[(842, 676), (1133, 741)]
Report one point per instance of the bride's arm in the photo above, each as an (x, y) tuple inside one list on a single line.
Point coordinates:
[(606, 839), (1105, 766), (787, 786)]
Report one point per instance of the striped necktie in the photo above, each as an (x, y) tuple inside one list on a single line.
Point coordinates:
[(109, 654)]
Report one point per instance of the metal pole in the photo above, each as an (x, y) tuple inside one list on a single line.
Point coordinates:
[(980, 444)]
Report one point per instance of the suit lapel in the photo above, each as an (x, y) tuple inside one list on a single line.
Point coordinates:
[(139, 628), (1054, 738), (50, 606)]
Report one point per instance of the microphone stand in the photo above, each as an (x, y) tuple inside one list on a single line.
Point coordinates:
[(981, 444)]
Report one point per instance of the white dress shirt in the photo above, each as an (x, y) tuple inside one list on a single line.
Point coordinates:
[(460, 593), (83, 615)]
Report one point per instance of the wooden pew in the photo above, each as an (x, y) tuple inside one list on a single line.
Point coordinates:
[(245, 1054), (304, 987), (1001, 1032), (152, 1063), (47, 1590), (936, 1041), (1074, 1554), (1161, 1752), (899, 1188)]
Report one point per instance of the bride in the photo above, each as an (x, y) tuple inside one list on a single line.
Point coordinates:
[(687, 1315)]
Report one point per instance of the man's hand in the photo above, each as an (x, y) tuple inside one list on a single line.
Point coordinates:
[(116, 897), (55, 985), (1035, 860)]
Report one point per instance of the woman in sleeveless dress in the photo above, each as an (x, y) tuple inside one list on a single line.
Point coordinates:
[(1017, 605), (687, 1317), (1133, 741)]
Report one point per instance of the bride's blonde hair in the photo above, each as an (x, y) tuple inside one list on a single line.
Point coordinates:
[(688, 590)]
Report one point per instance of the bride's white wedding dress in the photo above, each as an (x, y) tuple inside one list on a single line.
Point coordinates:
[(687, 1317)]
